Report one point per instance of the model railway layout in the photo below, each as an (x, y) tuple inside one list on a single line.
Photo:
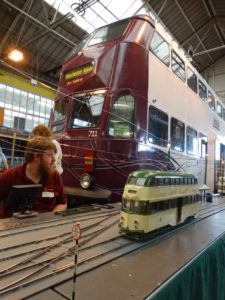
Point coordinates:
[(39, 252)]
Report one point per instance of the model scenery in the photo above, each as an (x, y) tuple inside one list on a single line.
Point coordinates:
[(130, 99), (154, 200)]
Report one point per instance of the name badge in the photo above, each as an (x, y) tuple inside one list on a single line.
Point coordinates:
[(47, 195)]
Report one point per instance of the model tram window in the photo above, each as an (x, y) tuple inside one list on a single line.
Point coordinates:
[(211, 100), (158, 127), (219, 109), (160, 48), (108, 33), (178, 66), (192, 80), (191, 141), (202, 90), (86, 111), (121, 120), (177, 129)]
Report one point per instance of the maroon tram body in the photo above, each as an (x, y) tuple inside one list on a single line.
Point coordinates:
[(115, 69)]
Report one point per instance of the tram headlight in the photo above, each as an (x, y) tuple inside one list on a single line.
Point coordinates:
[(85, 181)]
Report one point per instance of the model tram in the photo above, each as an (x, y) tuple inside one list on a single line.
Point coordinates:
[(153, 200), (129, 99)]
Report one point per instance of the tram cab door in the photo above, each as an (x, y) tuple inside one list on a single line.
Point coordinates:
[(179, 209)]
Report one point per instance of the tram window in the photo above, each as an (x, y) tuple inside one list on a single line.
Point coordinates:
[(211, 100), (177, 181), (219, 109), (161, 205), (202, 90), (196, 181), (86, 111), (109, 32), (191, 141), (60, 110), (185, 201), (152, 182), (126, 204), (158, 127), (173, 181), (202, 145), (160, 181), (167, 204), (224, 114), (172, 203), (177, 135), (192, 80), (160, 48), (167, 181), (153, 207), (121, 119), (145, 208), (135, 204), (132, 180), (178, 66)]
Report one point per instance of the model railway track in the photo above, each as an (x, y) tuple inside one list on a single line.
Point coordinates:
[(52, 223), (210, 209), (38, 268)]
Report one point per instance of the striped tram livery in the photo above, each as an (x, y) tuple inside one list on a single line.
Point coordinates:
[(155, 199)]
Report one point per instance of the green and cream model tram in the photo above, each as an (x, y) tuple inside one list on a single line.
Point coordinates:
[(155, 199)]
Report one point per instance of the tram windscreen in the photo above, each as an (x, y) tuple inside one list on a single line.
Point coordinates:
[(86, 111), (101, 35), (60, 111)]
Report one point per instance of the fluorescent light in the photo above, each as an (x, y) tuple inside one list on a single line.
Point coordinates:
[(15, 55)]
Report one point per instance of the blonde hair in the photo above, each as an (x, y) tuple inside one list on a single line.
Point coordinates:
[(42, 130), (38, 144)]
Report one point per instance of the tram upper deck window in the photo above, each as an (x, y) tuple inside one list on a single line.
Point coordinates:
[(177, 135), (86, 111), (109, 32), (202, 145), (160, 48), (192, 80), (202, 90), (158, 127), (219, 109), (60, 110), (178, 66), (121, 118), (191, 141), (223, 113), (211, 101)]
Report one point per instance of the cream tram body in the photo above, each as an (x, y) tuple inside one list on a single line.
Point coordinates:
[(154, 199)]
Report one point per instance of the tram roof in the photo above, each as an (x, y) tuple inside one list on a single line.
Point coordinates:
[(163, 174), (47, 34)]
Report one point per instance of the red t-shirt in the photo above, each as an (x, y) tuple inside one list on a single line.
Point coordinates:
[(52, 192)]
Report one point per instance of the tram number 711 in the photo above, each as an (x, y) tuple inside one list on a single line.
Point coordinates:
[(93, 133)]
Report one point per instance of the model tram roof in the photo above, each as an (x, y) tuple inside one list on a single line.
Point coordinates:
[(153, 173)]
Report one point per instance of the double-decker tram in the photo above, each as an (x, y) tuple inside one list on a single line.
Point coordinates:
[(129, 99), (154, 199)]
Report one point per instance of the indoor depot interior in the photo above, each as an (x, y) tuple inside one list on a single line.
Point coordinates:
[(133, 92)]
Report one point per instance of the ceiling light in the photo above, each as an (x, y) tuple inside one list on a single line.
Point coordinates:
[(15, 55)]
